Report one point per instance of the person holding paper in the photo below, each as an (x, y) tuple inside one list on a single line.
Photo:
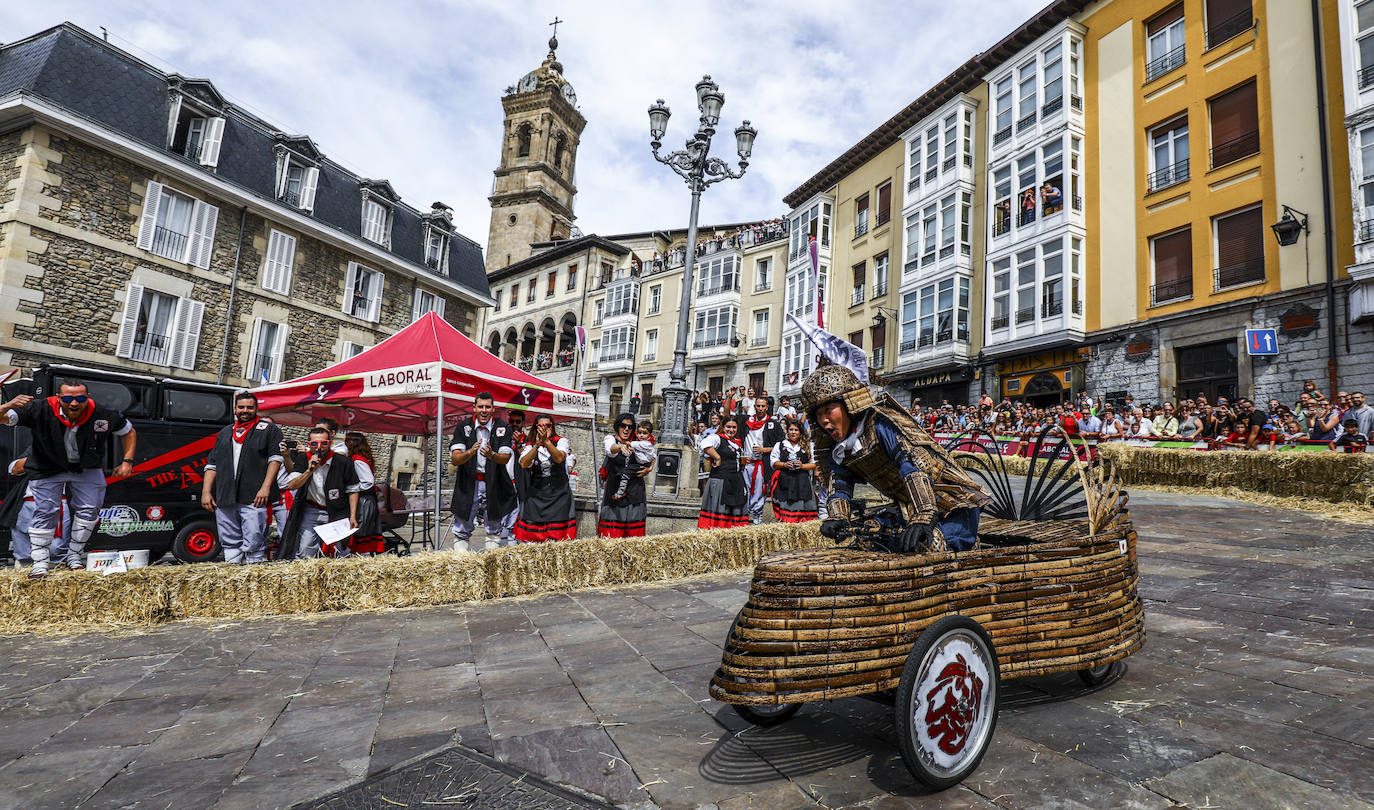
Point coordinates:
[(326, 491)]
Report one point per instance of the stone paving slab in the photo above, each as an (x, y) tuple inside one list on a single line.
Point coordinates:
[(1256, 685)]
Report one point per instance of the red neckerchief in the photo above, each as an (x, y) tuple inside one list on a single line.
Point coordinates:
[(363, 459), (56, 404), (736, 441), (756, 425), (240, 435)]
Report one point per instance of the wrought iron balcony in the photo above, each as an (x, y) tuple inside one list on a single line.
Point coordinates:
[(1001, 321), (1076, 102), (966, 249), (907, 347), (946, 251), (1052, 106), (1001, 226), (878, 357), (861, 227), (1250, 271), (1367, 230), (1077, 306), (947, 164), (928, 258), (192, 151), (1025, 315), (911, 266), (1366, 76), (1230, 28), (1051, 307), (857, 297), (1077, 203), (968, 160), (1235, 149), (1002, 136), (1170, 175), (879, 290), (1163, 64), (883, 218), (932, 174), (1176, 290), (169, 243), (1026, 217), (913, 185), (1026, 122), (153, 349), (925, 340)]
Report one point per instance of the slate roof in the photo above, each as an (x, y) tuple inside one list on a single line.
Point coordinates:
[(73, 69)]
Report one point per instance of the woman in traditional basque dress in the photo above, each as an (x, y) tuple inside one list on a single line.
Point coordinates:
[(724, 499), (368, 539), (548, 500), (622, 516), (794, 498)]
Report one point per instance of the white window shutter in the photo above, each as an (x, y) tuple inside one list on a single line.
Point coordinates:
[(173, 113), (439, 306), (374, 304), (349, 286), (286, 262), (415, 312), (209, 144), (283, 164), (309, 183), (279, 352), (129, 323), (148, 224), (253, 351), (267, 278), (186, 333), (204, 218)]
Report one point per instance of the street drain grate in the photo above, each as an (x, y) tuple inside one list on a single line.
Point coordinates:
[(456, 777)]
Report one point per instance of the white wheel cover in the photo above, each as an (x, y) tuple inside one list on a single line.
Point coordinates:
[(953, 702)]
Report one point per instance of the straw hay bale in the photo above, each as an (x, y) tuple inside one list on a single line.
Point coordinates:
[(74, 601), (1335, 477)]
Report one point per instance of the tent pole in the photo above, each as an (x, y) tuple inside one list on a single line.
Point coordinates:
[(596, 467), (438, 468)]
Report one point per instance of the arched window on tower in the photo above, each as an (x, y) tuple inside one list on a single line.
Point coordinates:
[(558, 149), (526, 133)]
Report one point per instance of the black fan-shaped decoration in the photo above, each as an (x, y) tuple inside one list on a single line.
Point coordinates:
[(1053, 489)]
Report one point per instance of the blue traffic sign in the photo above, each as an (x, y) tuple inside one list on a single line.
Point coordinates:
[(1262, 341)]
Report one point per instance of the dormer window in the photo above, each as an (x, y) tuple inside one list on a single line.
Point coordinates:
[(297, 182), (436, 249), (196, 133), (376, 222)]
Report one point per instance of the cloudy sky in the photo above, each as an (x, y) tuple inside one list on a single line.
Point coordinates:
[(410, 91)]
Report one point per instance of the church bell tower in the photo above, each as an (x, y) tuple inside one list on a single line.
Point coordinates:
[(532, 197)]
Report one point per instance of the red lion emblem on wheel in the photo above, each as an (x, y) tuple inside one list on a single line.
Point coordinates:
[(953, 705)]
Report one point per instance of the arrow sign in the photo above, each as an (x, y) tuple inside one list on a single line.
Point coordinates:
[(1262, 342)]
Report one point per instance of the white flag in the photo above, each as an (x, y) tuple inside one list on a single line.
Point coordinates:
[(835, 348)]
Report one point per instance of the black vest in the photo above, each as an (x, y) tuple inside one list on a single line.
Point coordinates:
[(48, 457), (337, 479), (500, 489), (241, 486)]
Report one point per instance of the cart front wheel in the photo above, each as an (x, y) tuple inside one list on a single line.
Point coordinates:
[(763, 716), (1098, 675), (947, 702)]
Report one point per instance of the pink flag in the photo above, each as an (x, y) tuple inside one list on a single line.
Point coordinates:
[(815, 252)]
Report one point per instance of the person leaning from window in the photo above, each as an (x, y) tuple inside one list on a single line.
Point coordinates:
[(1051, 198), (868, 437)]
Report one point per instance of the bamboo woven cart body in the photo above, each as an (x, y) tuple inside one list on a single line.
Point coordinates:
[(1056, 593)]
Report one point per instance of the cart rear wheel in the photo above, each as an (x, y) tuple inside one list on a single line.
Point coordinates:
[(1098, 675), (947, 702), (196, 542), (760, 715)]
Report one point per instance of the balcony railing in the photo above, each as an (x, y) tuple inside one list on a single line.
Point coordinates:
[(1051, 307), (1235, 149), (1000, 227), (861, 227), (1076, 102), (883, 218), (968, 160), (1025, 315), (932, 174), (1230, 28), (913, 185), (432, 262), (1163, 64), (1366, 76), (928, 258), (153, 349), (1250, 271), (1001, 321), (947, 164), (879, 290), (710, 342), (911, 266), (1026, 217), (1077, 203), (292, 197), (759, 341), (857, 297), (1077, 307), (925, 340), (1177, 290), (1002, 136), (966, 249), (946, 251), (1052, 106), (718, 287), (169, 243), (907, 347), (192, 151), (878, 357), (1170, 175), (1367, 230), (1025, 123)]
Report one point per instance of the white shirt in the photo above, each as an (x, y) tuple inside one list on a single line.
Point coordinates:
[(484, 436), (793, 449), (644, 451), (366, 480), (545, 459), (850, 445), (314, 489)]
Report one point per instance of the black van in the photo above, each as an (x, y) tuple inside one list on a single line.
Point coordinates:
[(158, 508)]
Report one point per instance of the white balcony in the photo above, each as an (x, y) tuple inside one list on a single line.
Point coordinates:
[(932, 351), (621, 365), (715, 351)]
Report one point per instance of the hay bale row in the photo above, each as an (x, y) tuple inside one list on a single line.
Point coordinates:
[(72, 601), (1335, 477)]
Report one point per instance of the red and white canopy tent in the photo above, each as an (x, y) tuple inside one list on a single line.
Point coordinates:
[(420, 381)]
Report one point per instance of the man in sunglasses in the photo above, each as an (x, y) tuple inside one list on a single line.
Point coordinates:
[(70, 435), (326, 491)]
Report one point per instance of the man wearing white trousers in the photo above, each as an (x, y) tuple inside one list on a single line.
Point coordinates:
[(762, 431), (481, 450), (240, 481), (70, 436)]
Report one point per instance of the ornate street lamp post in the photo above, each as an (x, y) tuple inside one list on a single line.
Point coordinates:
[(699, 170)]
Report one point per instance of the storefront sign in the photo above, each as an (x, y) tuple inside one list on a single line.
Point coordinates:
[(1038, 362), (942, 378)]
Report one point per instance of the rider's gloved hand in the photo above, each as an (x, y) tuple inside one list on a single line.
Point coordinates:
[(835, 529), (918, 537)]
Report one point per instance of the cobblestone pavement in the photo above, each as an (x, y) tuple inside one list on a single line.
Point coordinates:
[(1254, 691)]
